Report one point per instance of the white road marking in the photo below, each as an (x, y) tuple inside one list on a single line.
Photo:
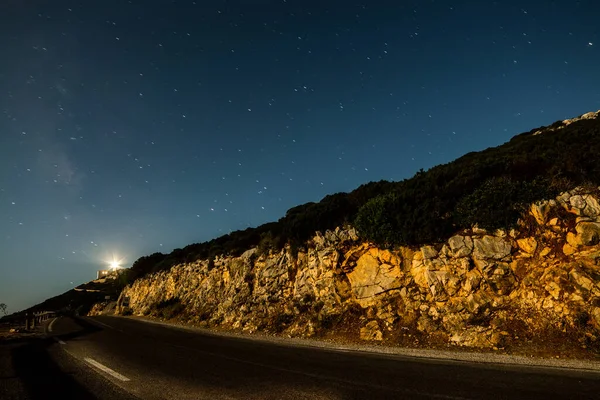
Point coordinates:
[(59, 341), (109, 371), (94, 321), (101, 323)]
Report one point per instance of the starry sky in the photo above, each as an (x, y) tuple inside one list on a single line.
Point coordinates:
[(130, 127)]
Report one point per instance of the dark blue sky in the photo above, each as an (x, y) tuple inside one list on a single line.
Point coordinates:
[(130, 127)]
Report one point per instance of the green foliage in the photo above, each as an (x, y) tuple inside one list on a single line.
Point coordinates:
[(267, 243), (376, 220), (499, 202), (3, 308), (407, 218)]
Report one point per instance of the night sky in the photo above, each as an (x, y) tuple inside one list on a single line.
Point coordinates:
[(130, 127)]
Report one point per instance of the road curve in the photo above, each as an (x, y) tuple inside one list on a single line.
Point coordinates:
[(152, 361)]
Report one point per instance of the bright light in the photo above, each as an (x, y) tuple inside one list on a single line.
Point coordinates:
[(114, 262)]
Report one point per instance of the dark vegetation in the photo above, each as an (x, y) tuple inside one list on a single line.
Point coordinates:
[(70, 302), (80, 301), (488, 188)]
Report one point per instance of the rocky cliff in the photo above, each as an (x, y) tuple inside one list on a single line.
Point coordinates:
[(536, 284)]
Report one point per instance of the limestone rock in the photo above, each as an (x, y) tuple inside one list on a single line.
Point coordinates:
[(540, 211), (479, 231), (581, 280), (429, 252), (578, 203), (478, 337), (592, 208), (248, 253), (568, 249), (371, 331), (422, 276), (528, 245), (461, 246), (554, 289), (477, 301), (491, 247), (545, 251), (426, 324), (595, 317), (370, 279), (588, 233), (472, 281)]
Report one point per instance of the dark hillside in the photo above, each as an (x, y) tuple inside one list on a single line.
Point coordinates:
[(488, 187)]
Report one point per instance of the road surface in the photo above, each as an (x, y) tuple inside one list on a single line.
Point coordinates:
[(116, 358)]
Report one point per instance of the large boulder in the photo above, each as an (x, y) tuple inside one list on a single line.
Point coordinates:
[(491, 247), (461, 246), (370, 278), (585, 205), (588, 233)]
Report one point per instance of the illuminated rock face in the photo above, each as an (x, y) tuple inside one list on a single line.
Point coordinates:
[(567, 122), (478, 289)]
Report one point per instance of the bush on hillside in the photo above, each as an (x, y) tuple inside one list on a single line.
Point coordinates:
[(499, 202), (375, 220)]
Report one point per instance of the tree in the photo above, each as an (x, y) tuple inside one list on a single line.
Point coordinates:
[(498, 202), (376, 220), (3, 308)]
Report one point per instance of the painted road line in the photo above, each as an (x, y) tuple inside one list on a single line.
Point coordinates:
[(59, 341), (102, 323), (109, 371), (95, 321)]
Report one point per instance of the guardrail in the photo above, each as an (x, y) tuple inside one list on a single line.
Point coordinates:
[(32, 319)]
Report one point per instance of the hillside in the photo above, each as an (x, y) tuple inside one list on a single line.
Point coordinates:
[(531, 290), (497, 250), (79, 299), (488, 188)]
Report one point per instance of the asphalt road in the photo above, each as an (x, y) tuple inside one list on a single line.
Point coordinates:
[(114, 358), (37, 368)]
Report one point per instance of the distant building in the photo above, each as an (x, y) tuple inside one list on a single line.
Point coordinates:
[(103, 273)]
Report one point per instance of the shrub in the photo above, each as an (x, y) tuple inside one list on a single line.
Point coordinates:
[(498, 203), (376, 221), (267, 243)]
